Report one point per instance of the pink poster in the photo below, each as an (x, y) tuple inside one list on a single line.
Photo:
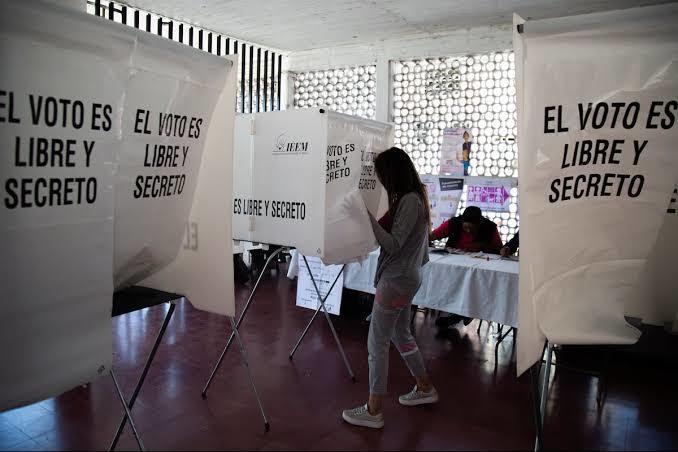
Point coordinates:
[(490, 196)]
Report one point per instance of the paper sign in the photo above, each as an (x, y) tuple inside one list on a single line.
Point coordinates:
[(493, 195), (324, 276), (443, 194)]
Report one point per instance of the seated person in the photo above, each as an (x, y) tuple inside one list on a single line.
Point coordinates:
[(511, 246), (470, 231)]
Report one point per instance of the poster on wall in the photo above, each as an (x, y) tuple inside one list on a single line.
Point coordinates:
[(455, 152), (598, 110), (443, 194), (491, 194), (324, 276), (103, 148)]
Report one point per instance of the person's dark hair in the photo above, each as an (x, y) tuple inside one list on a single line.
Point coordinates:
[(472, 214), (397, 174)]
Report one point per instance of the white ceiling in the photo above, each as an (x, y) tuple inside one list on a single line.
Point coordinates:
[(295, 25)]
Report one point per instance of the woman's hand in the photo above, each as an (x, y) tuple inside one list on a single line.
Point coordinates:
[(505, 251)]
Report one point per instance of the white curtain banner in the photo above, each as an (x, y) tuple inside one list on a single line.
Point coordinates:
[(203, 269), (103, 129), (170, 94), (598, 107)]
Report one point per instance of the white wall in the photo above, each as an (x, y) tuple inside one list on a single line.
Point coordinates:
[(459, 42), (482, 39)]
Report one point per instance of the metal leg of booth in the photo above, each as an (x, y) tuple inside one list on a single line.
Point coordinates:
[(536, 410), (236, 335), (540, 411), (543, 397), (243, 355), (321, 301), (240, 319), (602, 381), (128, 413), (413, 313), (601, 376), (142, 378), (500, 340)]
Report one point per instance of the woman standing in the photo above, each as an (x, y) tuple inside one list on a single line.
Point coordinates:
[(403, 236)]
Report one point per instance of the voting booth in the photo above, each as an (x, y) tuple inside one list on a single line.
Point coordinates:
[(296, 174), (299, 176), (597, 166), (118, 155), (597, 109)]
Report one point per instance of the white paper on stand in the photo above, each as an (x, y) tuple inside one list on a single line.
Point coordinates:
[(583, 252), (324, 276)]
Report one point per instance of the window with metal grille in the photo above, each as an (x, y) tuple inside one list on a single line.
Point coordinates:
[(350, 90), (476, 92), (260, 71)]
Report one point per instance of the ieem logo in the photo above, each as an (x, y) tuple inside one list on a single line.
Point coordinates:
[(284, 146)]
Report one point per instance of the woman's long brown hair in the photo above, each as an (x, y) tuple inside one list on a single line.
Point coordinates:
[(397, 174)]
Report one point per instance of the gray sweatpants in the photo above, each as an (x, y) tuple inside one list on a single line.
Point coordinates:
[(391, 322)]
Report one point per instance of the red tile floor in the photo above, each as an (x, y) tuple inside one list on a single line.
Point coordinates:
[(483, 406)]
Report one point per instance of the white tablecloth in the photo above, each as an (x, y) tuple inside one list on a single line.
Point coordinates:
[(454, 283)]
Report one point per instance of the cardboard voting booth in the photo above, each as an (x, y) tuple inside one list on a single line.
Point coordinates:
[(296, 174), (299, 177), (112, 138), (597, 104)]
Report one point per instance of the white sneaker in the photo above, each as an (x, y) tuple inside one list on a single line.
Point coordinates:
[(416, 397), (361, 416)]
